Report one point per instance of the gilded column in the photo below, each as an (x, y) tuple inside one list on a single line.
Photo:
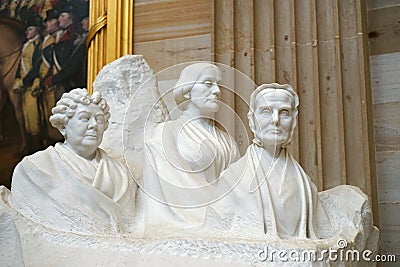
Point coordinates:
[(110, 34)]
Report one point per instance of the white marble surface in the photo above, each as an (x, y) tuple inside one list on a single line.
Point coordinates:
[(130, 88)]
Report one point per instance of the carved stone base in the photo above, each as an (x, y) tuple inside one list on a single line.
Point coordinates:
[(23, 241)]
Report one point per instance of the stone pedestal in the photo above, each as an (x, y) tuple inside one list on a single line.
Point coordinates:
[(25, 243)]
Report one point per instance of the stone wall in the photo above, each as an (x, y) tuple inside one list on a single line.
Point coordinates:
[(384, 40)]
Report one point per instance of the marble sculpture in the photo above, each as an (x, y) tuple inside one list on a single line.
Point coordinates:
[(266, 194), (183, 158), (75, 186), (181, 191)]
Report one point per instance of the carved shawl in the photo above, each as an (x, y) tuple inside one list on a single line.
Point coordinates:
[(244, 205), (182, 161), (63, 191)]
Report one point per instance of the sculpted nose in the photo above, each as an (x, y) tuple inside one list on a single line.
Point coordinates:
[(216, 90), (92, 124), (275, 118)]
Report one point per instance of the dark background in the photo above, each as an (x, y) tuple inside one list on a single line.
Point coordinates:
[(9, 149)]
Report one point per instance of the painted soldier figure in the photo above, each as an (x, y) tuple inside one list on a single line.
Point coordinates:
[(46, 98), (64, 55), (27, 72)]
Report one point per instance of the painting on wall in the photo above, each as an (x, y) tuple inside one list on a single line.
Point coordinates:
[(42, 55)]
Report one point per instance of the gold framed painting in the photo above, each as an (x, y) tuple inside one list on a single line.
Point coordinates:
[(44, 55)]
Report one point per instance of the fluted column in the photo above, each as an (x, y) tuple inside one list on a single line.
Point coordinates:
[(244, 62), (309, 123), (330, 92), (223, 50), (264, 41)]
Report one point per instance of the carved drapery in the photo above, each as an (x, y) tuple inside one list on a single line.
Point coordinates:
[(110, 35), (318, 46)]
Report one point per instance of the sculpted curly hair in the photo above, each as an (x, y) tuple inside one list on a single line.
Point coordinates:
[(66, 106)]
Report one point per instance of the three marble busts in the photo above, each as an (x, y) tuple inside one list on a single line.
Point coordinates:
[(188, 198)]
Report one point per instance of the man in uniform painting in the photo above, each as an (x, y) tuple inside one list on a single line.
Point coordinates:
[(27, 72), (65, 55), (46, 97)]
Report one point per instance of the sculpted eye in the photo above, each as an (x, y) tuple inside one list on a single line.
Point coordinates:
[(284, 113), (100, 119), (266, 111), (208, 83), (84, 118)]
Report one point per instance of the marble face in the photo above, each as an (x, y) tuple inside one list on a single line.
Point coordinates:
[(204, 94), (273, 116), (84, 131)]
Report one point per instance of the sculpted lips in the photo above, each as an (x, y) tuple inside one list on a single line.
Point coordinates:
[(275, 131), (93, 135)]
